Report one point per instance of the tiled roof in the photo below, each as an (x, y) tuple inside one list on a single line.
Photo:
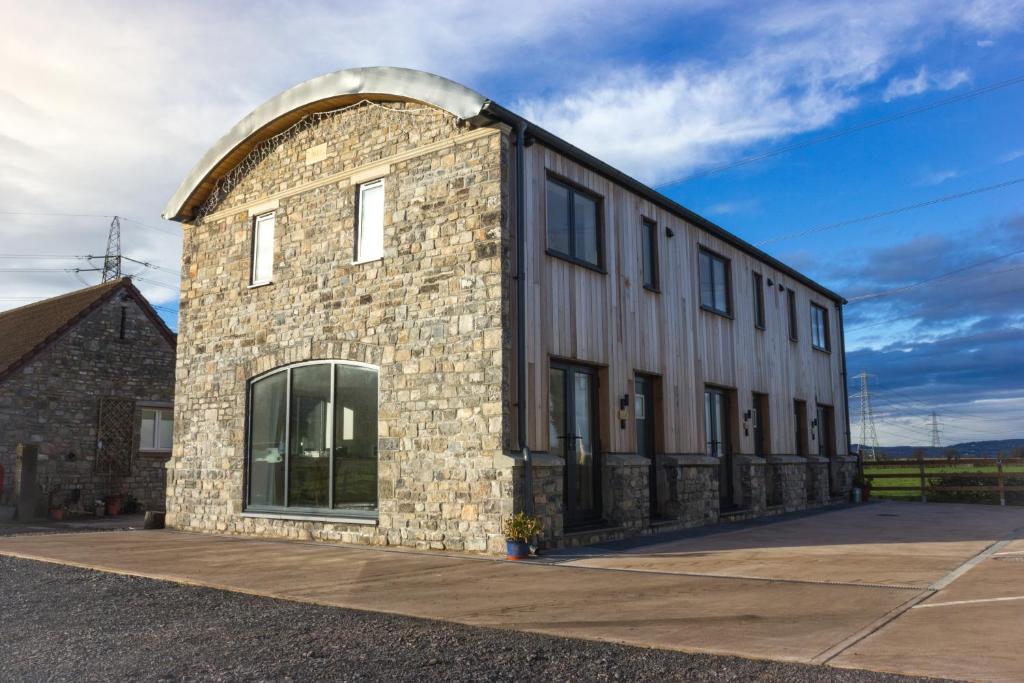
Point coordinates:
[(27, 330)]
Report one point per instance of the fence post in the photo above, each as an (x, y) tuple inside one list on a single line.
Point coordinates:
[(920, 466), (1002, 491)]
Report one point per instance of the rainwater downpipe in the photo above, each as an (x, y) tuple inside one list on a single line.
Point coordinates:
[(520, 127)]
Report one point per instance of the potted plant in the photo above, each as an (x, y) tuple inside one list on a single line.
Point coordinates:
[(518, 530), (51, 487), (112, 503)]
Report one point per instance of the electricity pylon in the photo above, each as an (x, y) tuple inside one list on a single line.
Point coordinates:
[(935, 430), (868, 437), (112, 259)]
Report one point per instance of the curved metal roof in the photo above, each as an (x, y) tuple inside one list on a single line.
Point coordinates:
[(329, 91)]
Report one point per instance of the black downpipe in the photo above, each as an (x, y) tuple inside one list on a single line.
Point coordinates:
[(846, 391), (521, 313)]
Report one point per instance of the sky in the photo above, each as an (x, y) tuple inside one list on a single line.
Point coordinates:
[(761, 117)]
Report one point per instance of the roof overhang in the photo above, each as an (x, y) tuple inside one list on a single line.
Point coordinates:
[(324, 93)]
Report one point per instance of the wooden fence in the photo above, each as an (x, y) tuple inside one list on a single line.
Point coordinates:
[(927, 470)]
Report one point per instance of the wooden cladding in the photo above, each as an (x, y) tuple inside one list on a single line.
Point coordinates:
[(607, 318)]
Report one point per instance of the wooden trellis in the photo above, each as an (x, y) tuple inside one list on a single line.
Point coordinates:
[(115, 436)]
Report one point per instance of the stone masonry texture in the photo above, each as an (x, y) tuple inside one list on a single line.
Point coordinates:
[(53, 402), (432, 315)]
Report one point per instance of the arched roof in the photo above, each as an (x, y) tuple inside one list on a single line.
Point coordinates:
[(323, 93)]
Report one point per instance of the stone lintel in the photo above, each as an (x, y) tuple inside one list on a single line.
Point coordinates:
[(686, 460)]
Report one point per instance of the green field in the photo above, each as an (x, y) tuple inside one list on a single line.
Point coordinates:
[(954, 474)]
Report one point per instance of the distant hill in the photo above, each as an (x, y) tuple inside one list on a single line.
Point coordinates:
[(968, 449)]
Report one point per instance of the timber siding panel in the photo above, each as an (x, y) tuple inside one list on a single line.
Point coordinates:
[(611, 321)]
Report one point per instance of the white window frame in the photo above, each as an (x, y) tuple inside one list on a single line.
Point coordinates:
[(163, 415), (257, 245), (361, 256)]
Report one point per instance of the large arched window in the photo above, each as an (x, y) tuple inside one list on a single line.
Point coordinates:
[(312, 444)]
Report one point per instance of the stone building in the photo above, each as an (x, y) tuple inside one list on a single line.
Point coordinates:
[(408, 312), (88, 378)]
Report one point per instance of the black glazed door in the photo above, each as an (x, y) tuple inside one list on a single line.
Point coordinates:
[(573, 433), (716, 410), (645, 430)]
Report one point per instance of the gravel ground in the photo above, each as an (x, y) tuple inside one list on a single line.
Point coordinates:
[(62, 623)]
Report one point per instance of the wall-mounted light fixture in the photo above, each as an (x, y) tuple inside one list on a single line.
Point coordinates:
[(623, 412), (669, 232)]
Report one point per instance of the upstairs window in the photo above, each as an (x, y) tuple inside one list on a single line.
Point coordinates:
[(262, 249), (156, 429), (649, 253), (758, 301), (819, 328), (370, 228), (794, 331), (573, 226), (714, 283)]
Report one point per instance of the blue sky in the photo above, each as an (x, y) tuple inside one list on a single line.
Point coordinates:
[(105, 106)]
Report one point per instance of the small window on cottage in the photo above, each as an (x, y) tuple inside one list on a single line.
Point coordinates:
[(794, 331), (573, 226), (370, 229), (714, 283), (819, 327), (262, 249), (649, 253), (156, 430), (758, 301)]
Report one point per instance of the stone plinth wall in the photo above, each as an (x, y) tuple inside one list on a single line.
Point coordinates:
[(688, 490), (789, 481), (844, 471), (548, 491), (432, 315), (817, 480), (53, 403), (751, 471), (627, 490)]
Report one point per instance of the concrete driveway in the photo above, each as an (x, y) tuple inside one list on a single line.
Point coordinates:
[(926, 589)]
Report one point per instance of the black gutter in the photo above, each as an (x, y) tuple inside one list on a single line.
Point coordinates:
[(520, 128), (496, 111)]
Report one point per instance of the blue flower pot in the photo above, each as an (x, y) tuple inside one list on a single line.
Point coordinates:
[(517, 550)]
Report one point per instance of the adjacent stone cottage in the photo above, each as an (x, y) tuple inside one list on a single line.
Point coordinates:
[(88, 379), (407, 312)]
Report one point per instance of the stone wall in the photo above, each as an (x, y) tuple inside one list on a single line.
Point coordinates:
[(788, 481), (432, 315), (53, 402), (688, 492), (844, 470), (751, 471), (817, 480), (628, 494)]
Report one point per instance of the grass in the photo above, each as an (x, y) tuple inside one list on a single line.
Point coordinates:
[(932, 470)]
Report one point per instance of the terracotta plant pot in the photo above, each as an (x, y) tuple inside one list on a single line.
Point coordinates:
[(56, 514), (113, 505)]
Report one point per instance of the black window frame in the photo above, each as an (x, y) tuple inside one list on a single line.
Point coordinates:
[(815, 308), (715, 256), (573, 190), (759, 312), (285, 509), (649, 239), (794, 327)]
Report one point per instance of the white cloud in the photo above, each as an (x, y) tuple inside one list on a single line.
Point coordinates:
[(923, 81), (799, 67), (937, 177), (105, 106)]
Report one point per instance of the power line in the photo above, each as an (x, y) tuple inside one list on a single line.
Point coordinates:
[(843, 131), (890, 212), (915, 315), (88, 215), (941, 276)]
